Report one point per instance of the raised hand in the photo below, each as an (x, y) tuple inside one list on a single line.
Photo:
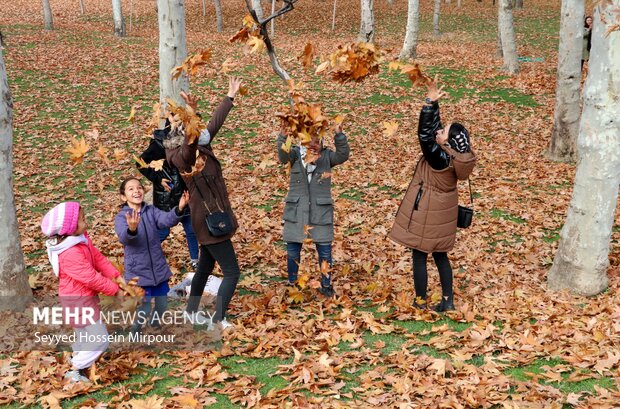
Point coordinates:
[(132, 220), (337, 128), (434, 93), (165, 184), (184, 200), (233, 86), (190, 100)]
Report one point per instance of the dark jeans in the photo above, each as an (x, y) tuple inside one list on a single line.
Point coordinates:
[(224, 254), (420, 274), (192, 243), (293, 257)]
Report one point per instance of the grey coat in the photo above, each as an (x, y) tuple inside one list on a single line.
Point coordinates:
[(310, 203)]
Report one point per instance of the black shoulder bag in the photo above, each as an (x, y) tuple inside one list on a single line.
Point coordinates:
[(466, 214), (219, 222)]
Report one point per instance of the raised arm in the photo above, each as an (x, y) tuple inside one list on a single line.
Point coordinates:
[(342, 148), (428, 125)]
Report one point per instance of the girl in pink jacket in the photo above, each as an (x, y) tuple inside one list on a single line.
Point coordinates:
[(83, 272)]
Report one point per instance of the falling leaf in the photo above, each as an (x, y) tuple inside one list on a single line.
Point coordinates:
[(228, 65), (120, 154), (157, 165), (141, 163), (102, 153), (256, 45), (132, 115), (339, 119), (390, 128), (353, 62), (307, 55), (191, 64), (77, 150), (243, 90)]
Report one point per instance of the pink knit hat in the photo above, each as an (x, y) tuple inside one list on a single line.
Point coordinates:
[(62, 220)]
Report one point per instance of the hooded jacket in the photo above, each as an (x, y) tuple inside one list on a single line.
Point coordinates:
[(206, 184), (426, 218), (162, 199), (144, 257)]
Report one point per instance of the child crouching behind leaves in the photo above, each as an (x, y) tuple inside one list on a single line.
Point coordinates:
[(137, 226), (309, 201), (83, 272)]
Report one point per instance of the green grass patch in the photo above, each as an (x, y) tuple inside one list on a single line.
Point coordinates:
[(262, 368), (502, 214)]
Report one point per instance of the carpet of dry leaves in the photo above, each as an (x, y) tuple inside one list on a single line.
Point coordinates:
[(80, 81)]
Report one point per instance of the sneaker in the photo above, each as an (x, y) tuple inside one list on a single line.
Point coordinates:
[(194, 264), (225, 325), (75, 375), (198, 319), (327, 291)]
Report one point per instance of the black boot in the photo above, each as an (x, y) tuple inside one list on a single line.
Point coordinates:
[(419, 303), (446, 304), (327, 291)]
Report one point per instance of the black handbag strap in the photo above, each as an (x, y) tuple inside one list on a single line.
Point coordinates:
[(204, 201), (471, 196)]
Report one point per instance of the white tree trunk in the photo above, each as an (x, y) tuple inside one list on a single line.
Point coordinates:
[(581, 261), (567, 109), (15, 291), (334, 16), (499, 52), (458, 3), (172, 49), (367, 25), (507, 33), (82, 10), (218, 15), (273, 21), (204, 8), (390, 2), (119, 21), (436, 11), (411, 34), (258, 8), (48, 20)]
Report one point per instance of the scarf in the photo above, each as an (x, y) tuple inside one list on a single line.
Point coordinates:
[(54, 248), (310, 167)]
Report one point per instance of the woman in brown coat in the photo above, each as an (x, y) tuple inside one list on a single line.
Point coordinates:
[(426, 219), (202, 173)]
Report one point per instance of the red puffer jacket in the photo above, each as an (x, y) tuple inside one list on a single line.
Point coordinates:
[(84, 273)]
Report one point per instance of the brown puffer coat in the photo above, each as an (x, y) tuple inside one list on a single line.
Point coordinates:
[(207, 187), (426, 218)]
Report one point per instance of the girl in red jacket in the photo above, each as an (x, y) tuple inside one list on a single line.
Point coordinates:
[(83, 272)]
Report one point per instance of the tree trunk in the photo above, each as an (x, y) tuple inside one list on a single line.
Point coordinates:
[(334, 16), (567, 109), (131, 12), (82, 10), (15, 292), (172, 49), (581, 261), (119, 21), (436, 11), (258, 9), (458, 3), (499, 52), (218, 15), (507, 33), (273, 22), (411, 34), (367, 25), (519, 4), (48, 20), (204, 8), (390, 2)]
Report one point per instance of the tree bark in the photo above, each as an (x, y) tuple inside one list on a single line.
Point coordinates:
[(258, 9), (218, 15), (436, 11), (204, 8), (273, 22), (519, 4), (15, 292), (581, 261), (507, 33), (367, 25), (119, 21), (499, 52), (82, 10), (334, 16), (458, 3), (411, 34), (567, 109), (172, 49), (48, 20)]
